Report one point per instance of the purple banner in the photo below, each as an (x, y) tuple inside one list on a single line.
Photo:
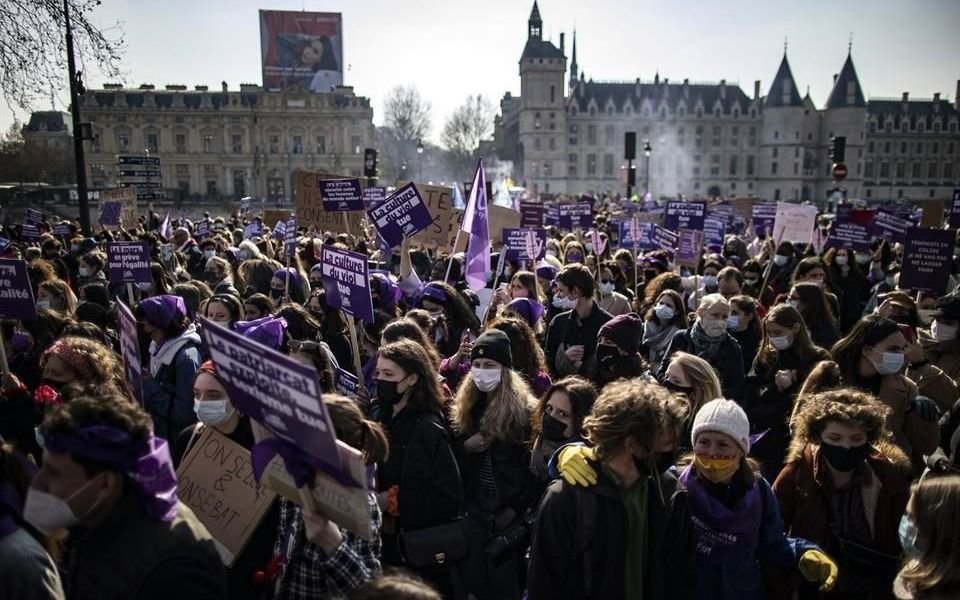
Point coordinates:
[(662, 238), (689, 247), (290, 236), (130, 350), (684, 215), (110, 212), (955, 209), (16, 294), (633, 233), (552, 216), (531, 214), (373, 196), (202, 230), (850, 236), (34, 216), (927, 260), (890, 227), (714, 231), (345, 383), (129, 262), (576, 214), (252, 230), (29, 231), (519, 243), (341, 194), (278, 392), (762, 217), (347, 281), (403, 214), (61, 230)]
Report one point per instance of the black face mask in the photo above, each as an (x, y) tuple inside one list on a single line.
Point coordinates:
[(387, 393), (665, 460), (844, 459), (553, 428), (675, 388), (607, 356), (276, 294)]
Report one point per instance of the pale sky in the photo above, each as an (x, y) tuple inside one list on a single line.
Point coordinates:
[(453, 48)]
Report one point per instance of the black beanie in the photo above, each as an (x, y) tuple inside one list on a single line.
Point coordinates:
[(495, 345)]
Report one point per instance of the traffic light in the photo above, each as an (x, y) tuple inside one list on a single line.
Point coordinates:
[(838, 148), (630, 145)]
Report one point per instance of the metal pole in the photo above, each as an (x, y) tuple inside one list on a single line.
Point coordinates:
[(629, 187), (647, 184), (77, 133)]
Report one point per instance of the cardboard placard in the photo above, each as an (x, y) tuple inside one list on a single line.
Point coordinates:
[(498, 219), (794, 223), (215, 479), (129, 212), (308, 205), (275, 215)]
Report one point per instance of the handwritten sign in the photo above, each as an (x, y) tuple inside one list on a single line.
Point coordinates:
[(794, 223)]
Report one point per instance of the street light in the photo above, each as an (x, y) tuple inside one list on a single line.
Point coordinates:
[(646, 152), (419, 160)]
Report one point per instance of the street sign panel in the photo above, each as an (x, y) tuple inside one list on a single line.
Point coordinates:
[(839, 172), (139, 160)]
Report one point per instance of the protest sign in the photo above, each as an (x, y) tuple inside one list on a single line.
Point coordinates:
[(129, 262), (890, 227), (531, 214), (662, 238), (4, 243), (794, 223), (29, 231), (202, 229), (850, 236), (252, 230), (290, 236), (275, 215), (347, 282), (684, 215), (16, 294), (714, 231), (439, 202), (927, 260), (498, 219), (346, 383), (308, 205), (932, 214), (762, 217), (130, 350), (34, 216), (110, 213), (62, 229), (576, 214), (373, 195), (127, 197), (518, 243), (689, 247), (278, 392), (401, 215), (551, 217), (245, 204), (341, 194), (955, 209), (216, 480)]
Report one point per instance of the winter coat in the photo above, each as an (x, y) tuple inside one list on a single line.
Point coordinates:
[(568, 329), (168, 394), (728, 363), (945, 355)]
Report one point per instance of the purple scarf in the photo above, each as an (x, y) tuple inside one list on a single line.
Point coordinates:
[(722, 533)]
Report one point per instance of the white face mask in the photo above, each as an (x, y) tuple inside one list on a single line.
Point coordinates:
[(564, 303), (606, 289), (714, 327), (780, 260), (83, 272), (552, 253), (890, 363), (209, 253), (48, 513), (43, 304), (943, 333), (507, 272), (709, 280), (664, 312), (733, 322), (841, 260), (863, 259), (486, 379), (589, 248), (781, 342), (212, 412), (891, 280)]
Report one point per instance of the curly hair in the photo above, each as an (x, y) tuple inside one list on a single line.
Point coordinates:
[(656, 286), (630, 408), (846, 405), (527, 354), (91, 361)]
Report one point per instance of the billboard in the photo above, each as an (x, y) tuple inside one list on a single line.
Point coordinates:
[(304, 48)]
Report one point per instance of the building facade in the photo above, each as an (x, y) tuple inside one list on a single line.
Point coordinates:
[(565, 134), (220, 144)]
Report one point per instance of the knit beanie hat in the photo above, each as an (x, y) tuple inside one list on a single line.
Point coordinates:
[(723, 416), (625, 331), (529, 310), (495, 345)]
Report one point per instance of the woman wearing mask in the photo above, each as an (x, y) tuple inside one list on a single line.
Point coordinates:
[(626, 261), (558, 420), (297, 290), (813, 270), (940, 342), (573, 252), (784, 264), (664, 319), (844, 488), (786, 357), (528, 358), (523, 284), (735, 517), (871, 358), (812, 304), (928, 532), (333, 328), (611, 300), (90, 268), (708, 338), (452, 316), (656, 285), (698, 286), (419, 482), (492, 417), (695, 380), (57, 295), (258, 306), (216, 274), (744, 325), (752, 280), (224, 309), (618, 351), (849, 284)]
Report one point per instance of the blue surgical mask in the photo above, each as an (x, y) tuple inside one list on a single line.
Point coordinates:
[(908, 537)]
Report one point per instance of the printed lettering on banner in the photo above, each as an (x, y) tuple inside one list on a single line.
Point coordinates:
[(890, 227), (518, 243), (16, 293), (341, 194), (308, 205), (531, 214), (689, 247), (130, 349), (714, 230), (215, 479), (927, 260), (129, 262), (345, 382), (373, 195), (955, 209), (346, 279), (576, 214), (849, 235), (684, 215), (762, 217), (401, 215)]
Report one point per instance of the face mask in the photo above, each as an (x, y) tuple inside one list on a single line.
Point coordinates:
[(844, 459), (43, 304), (890, 280), (733, 322), (676, 388), (486, 379), (83, 272), (387, 392), (563, 303), (552, 253), (589, 248), (863, 259), (507, 272), (709, 280), (209, 253), (606, 289), (908, 537), (716, 469), (20, 342), (714, 327), (573, 258), (841, 260), (663, 312), (607, 355), (49, 513), (941, 332), (212, 412), (890, 363), (553, 428), (780, 260), (211, 276), (276, 294), (751, 281), (781, 342)]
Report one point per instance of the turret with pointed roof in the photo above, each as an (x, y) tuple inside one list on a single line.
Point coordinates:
[(535, 23), (783, 91), (573, 62), (846, 92)]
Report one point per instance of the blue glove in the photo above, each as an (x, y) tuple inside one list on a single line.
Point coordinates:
[(926, 408)]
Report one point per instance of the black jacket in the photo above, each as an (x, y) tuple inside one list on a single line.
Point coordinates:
[(570, 330), (558, 551), (728, 363), (749, 341)]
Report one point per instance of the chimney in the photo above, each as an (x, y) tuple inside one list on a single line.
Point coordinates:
[(686, 88), (936, 97), (562, 36), (906, 97), (936, 102), (835, 78), (223, 85), (756, 89), (636, 87), (723, 88)]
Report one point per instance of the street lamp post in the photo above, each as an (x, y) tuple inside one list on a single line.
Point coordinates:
[(419, 160), (646, 152)]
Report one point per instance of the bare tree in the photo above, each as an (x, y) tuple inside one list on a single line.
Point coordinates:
[(407, 122), (466, 127), (33, 54)]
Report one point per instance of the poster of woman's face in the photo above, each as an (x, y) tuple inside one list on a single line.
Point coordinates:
[(301, 48)]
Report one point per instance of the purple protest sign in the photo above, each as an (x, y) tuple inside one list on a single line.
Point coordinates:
[(29, 231), (517, 243), (252, 230), (61, 230), (290, 236), (341, 194), (634, 232), (129, 262), (403, 214), (373, 196), (927, 260), (890, 227), (278, 392), (130, 349), (714, 231), (662, 238), (955, 209), (684, 215), (346, 280), (531, 214), (762, 217), (110, 212), (689, 247), (202, 230), (552, 216), (345, 383), (16, 294), (849, 235), (34, 216), (576, 214)]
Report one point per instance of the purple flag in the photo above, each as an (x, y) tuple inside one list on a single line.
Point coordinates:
[(475, 223), (165, 227)]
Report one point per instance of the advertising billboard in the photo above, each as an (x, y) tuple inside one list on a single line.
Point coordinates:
[(304, 48)]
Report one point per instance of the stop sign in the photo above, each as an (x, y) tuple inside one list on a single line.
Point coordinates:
[(839, 172)]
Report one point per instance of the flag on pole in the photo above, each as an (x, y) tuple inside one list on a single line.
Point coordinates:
[(475, 224), (165, 227)]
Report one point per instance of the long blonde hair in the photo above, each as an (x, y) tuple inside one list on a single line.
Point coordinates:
[(507, 416), (703, 379)]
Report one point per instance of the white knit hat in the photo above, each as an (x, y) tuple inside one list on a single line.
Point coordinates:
[(723, 416)]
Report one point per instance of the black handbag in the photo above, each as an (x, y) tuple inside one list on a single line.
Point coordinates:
[(437, 546)]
